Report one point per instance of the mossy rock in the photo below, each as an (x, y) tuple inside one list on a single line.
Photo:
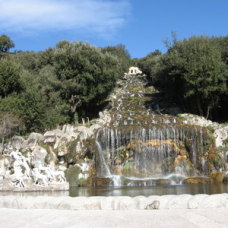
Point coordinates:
[(211, 129), (197, 180), (102, 181), (217, 177), (180, 116), (72, 176)]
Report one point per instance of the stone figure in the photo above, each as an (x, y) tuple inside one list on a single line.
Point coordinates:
[(22, 161), (84, 170), (2, 169), (39, 178), (59, 176), (18, 174)]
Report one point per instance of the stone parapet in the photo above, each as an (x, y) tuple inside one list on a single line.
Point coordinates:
[(200, 201)]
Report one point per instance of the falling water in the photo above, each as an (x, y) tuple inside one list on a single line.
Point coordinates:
[(103, 167), (142, 146), (150, 151)]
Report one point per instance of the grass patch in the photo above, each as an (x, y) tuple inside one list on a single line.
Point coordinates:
[(211, 129), (180, 116)]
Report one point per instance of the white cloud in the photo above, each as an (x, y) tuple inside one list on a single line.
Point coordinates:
[(100, 16)]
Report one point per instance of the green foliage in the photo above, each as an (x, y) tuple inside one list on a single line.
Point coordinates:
[(225, 141), (73, 80), (122, 56), (59, 85), (5, 43), (9, 77), (72, 174), (28, 60), (9, 124), (179, 115), (150, 65), (86, 75), (194, 74), (222, 149), (33, 110), (222, 42), (211, 129)]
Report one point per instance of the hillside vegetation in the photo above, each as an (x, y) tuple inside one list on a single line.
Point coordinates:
[(41, 90), (59, 85), (193, 74)]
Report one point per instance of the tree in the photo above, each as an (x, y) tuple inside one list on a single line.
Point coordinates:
[(194, 74), (150, 64), (9, 77), (9, 124), (5, 43), (59, 85), (87, 75), (121, 54)]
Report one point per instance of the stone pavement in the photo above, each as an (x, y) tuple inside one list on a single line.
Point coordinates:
[(175, 218)]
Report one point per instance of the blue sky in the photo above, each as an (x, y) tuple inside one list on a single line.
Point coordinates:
[(141, 25)]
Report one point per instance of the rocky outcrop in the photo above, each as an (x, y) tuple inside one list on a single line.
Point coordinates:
[(41, 161), (17, 142), (217, 177), (197, 180), (220, 131)]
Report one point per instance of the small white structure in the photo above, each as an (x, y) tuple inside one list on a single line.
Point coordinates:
[(134, 70)]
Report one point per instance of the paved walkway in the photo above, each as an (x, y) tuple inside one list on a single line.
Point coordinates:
[(175, 218)]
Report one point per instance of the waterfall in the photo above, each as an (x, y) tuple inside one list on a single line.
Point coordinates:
[(104, 170), (141, 146), (150, 151)]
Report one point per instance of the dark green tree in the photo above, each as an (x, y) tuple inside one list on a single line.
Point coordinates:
[(9, 77), (5, 43), (194, 74), (87, 75), (9, 124), (121, 54), (59, 85), (150, 65)]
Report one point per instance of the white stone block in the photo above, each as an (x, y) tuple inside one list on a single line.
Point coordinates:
[(179, 202), (141, 202), (213, 201), (127, 203), (93, 203), (195, 200), (107, 203), (164, 201)]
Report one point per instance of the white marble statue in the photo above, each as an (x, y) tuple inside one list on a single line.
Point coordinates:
[(39, 178), (18, 176), (22, 161), (59, 176), (30, 171), (84, 170)]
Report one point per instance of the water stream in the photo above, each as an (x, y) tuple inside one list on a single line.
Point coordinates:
[(142, 147)]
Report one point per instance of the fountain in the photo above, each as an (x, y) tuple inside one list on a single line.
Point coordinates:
[(133, 143), (143, 147)]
